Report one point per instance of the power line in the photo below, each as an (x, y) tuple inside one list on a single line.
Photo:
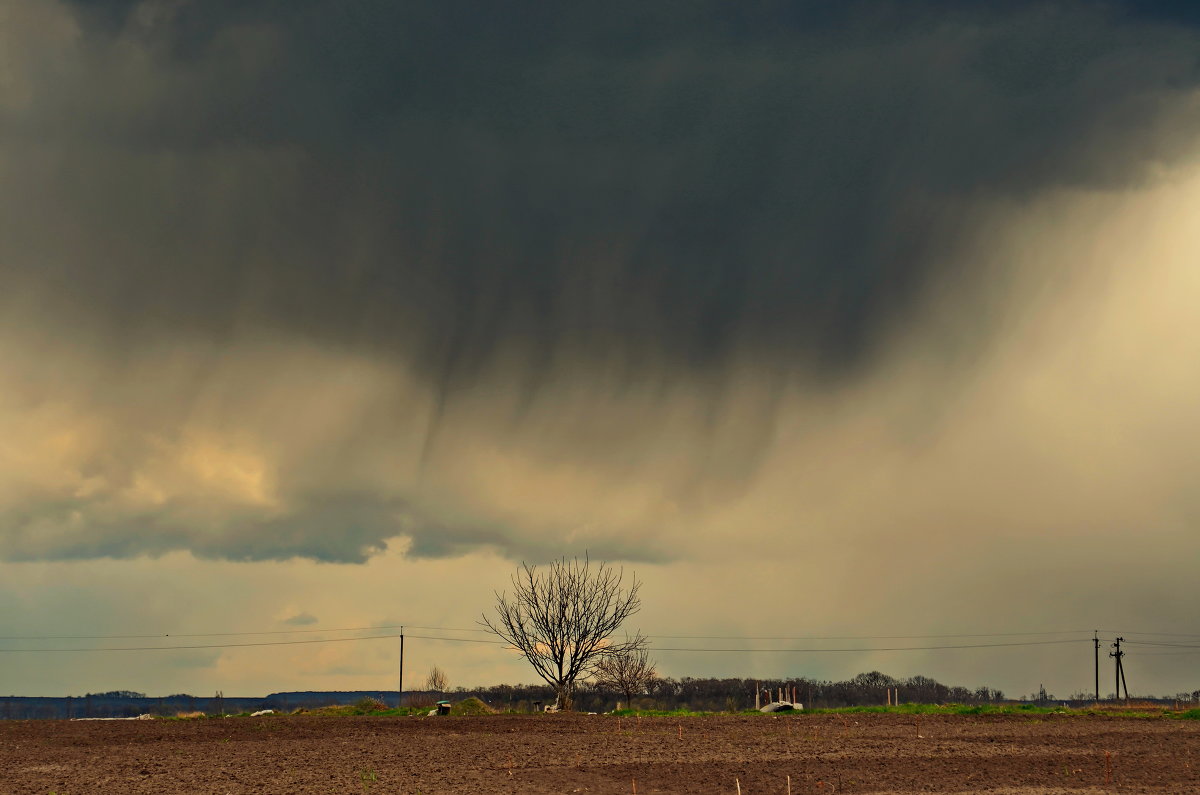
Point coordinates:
[(242, 645), (885, 648), (1160, 634), (1160, 643), (201, 646), (460, 640), (204, 634), (827, 637), (868, 637), (503, 643), (235, 634), (471, 629), (376, 628)]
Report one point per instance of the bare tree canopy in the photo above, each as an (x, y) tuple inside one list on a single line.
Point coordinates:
[(436, 681), (630, 673), (561, 619)]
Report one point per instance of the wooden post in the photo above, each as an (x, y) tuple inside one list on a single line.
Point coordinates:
[(757, 695), (1119, 675)]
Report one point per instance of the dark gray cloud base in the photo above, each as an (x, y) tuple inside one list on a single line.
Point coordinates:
[(452, 178), (649, 193)]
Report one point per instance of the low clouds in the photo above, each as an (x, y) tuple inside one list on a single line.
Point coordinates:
[(300, 620), (303, 280)]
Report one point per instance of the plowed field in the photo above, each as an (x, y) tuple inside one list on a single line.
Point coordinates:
[(602, 754)]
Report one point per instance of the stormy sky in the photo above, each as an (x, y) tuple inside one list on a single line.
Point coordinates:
[(827, 318)]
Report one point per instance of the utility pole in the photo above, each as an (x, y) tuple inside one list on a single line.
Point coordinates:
[(1119, 674), (400, 692), (1096, 643), (1121, 667)]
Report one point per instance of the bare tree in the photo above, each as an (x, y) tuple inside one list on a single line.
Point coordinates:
[(436, 681), (629, 673), (561, 620)]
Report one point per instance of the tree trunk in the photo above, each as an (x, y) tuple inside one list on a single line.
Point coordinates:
[(566, 700)]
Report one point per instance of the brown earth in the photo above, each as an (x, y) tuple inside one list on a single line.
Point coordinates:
[(602, 754)]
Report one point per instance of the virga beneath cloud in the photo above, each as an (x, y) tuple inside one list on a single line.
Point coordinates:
[(306, 281)]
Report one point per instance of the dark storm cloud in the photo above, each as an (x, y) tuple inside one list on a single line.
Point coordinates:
[(297, 278), (651, 184)]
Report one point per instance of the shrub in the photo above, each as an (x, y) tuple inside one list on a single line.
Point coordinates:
[(368, 704), (471, 706)]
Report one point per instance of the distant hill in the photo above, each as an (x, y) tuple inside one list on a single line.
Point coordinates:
[(128, 704), (712, 695)]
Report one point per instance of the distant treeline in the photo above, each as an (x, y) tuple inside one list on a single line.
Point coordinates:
[(710, 695), (717, 695), (127, 704), (702, 695), (720, 695)]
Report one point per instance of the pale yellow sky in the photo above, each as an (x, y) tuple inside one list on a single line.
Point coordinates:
[(1014, 449)]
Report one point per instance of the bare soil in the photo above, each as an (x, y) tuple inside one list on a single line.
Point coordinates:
[(825, 754)]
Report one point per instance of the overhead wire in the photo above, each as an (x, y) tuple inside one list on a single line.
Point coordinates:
[(740, 649), (201, 634), (504, 643), (1162, 634), (886, 648), (871, 637), (480, 630), (243, 645)]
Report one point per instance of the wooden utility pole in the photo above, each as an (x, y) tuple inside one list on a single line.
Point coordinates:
[(1096, 643), (1121, 668), (400, 692), (1119, 674)]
